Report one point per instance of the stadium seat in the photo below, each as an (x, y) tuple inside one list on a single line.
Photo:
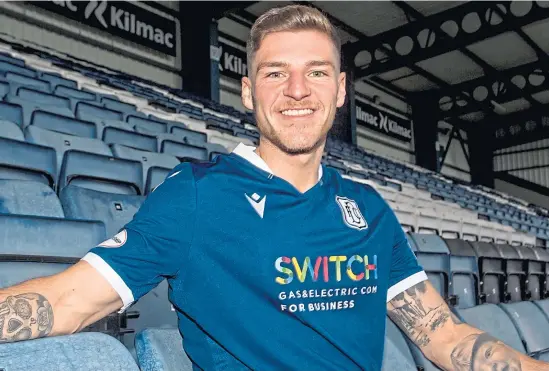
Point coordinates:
[(147, 159), (33, 246), (492, 319), (10, 130), (17, 80), (29, 198), (63, 124), (112, 135), (30, 107), (86, 351), (160, 349), (190, 136), (64, 142), (118, 105), (464, 274), (185, 152), (26, 161), (149, 126), (532, 325), (6, 68), (434, 257), (492, 271), (12, 60), (4, 89), (56, 80), (38, 96), (101, 173), (155, 176), (74, 95), (515, 282), (11, 112), (90, 112), (542, 255), (396, 355), (100, 126)]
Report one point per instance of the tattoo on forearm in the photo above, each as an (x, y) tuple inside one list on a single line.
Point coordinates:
[(25, 316), (408, 311), (484, 352)]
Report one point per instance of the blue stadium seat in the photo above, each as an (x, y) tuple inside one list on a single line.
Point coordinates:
[(492, 271), (464, 274), (11, 112), (38, 96), (17, 80), (29, 198), (74, 95), (10, 130), (4, 89), (90, 112), (160, 349), (112, 135), (535, 275), (56, 80), (6, 67), (29, 108), (118, 105), (35, 246), (396, 355), (515, 273), (185, 152), (155, 176), (532, 325), (12, 60), (150, 126), (63, 142), (101, 173), (147, 159), (434, 257), (100, 126), (63, 124), (88, 351), (188, 135), (542, 256), (26, 161)]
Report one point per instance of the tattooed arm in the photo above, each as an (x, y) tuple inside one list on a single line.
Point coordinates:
[(56, 305), (423, 315)]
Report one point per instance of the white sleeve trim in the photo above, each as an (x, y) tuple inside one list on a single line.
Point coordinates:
[(112, 277), (405, 284)]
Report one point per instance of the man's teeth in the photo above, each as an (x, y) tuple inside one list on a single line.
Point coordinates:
[(297, 112)]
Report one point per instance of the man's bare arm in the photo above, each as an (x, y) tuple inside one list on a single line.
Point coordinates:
[(425, 318), (61, 304)]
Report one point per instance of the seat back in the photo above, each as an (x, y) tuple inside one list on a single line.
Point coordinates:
[(532, 325), (102, 173), (64, 91), (63, 124), (7, 67), (433, 255), (155, 176), (112, 135), (117, 105), (86, 351), (11, 130), (91, 112), (190, 135), (151, 126), (515, 270), (396, 355), (535, 275), (26, 161), (56, 80), (29, 198), (184, 151), (43, 98), (493, 320), (492, 271), (161, 349), (11, 112)]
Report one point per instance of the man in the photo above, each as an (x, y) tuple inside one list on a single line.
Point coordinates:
[(274, 262)]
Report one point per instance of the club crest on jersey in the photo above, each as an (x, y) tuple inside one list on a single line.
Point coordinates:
[(351, 213), (118, 240)]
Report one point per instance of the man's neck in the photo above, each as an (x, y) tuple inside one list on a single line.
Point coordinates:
[(299, 170)]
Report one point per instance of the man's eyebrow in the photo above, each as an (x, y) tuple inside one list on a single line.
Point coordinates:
[(313, 63), (262, 65), (320, 63)]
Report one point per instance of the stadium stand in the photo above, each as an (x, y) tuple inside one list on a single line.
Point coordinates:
[(102, 154)]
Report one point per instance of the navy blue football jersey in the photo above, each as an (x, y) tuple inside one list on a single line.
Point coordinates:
[(263, 276)]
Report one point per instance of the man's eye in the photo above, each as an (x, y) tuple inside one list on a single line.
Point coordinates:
[(318, 73), (274, 74)]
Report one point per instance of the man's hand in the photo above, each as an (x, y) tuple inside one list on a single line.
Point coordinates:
[(448, 342)]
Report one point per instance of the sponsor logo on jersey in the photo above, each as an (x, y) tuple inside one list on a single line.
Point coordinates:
[(117, 241)]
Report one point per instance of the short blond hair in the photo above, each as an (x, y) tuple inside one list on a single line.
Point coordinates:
[(289, 18)]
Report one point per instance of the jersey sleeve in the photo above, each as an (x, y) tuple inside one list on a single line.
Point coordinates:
[(405, 269), (155, 243)]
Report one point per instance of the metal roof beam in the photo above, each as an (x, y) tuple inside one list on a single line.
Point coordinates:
[(520, 127), (488, 69), (506, 86), (416, 41)]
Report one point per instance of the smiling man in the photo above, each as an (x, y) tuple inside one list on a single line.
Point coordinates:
[(274, 261)]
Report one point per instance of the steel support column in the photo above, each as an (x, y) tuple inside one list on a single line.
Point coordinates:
[(425, 128), (344, 127)]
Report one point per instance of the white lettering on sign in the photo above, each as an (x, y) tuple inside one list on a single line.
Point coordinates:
[(383, 122)]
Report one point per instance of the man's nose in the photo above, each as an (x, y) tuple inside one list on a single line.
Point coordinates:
[(297, 87)]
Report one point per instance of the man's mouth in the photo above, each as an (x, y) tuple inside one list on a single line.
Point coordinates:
[(298, 112)]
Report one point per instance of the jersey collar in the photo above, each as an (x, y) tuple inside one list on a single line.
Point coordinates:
[(248, 153)]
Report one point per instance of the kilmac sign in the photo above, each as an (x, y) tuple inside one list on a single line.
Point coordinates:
[(232, 61), (383, 122), (122, 19)]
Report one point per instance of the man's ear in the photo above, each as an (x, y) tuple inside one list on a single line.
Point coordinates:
[(341, 92), (246, 94)]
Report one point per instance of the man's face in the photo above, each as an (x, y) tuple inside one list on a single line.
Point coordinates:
[(295, 89)]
